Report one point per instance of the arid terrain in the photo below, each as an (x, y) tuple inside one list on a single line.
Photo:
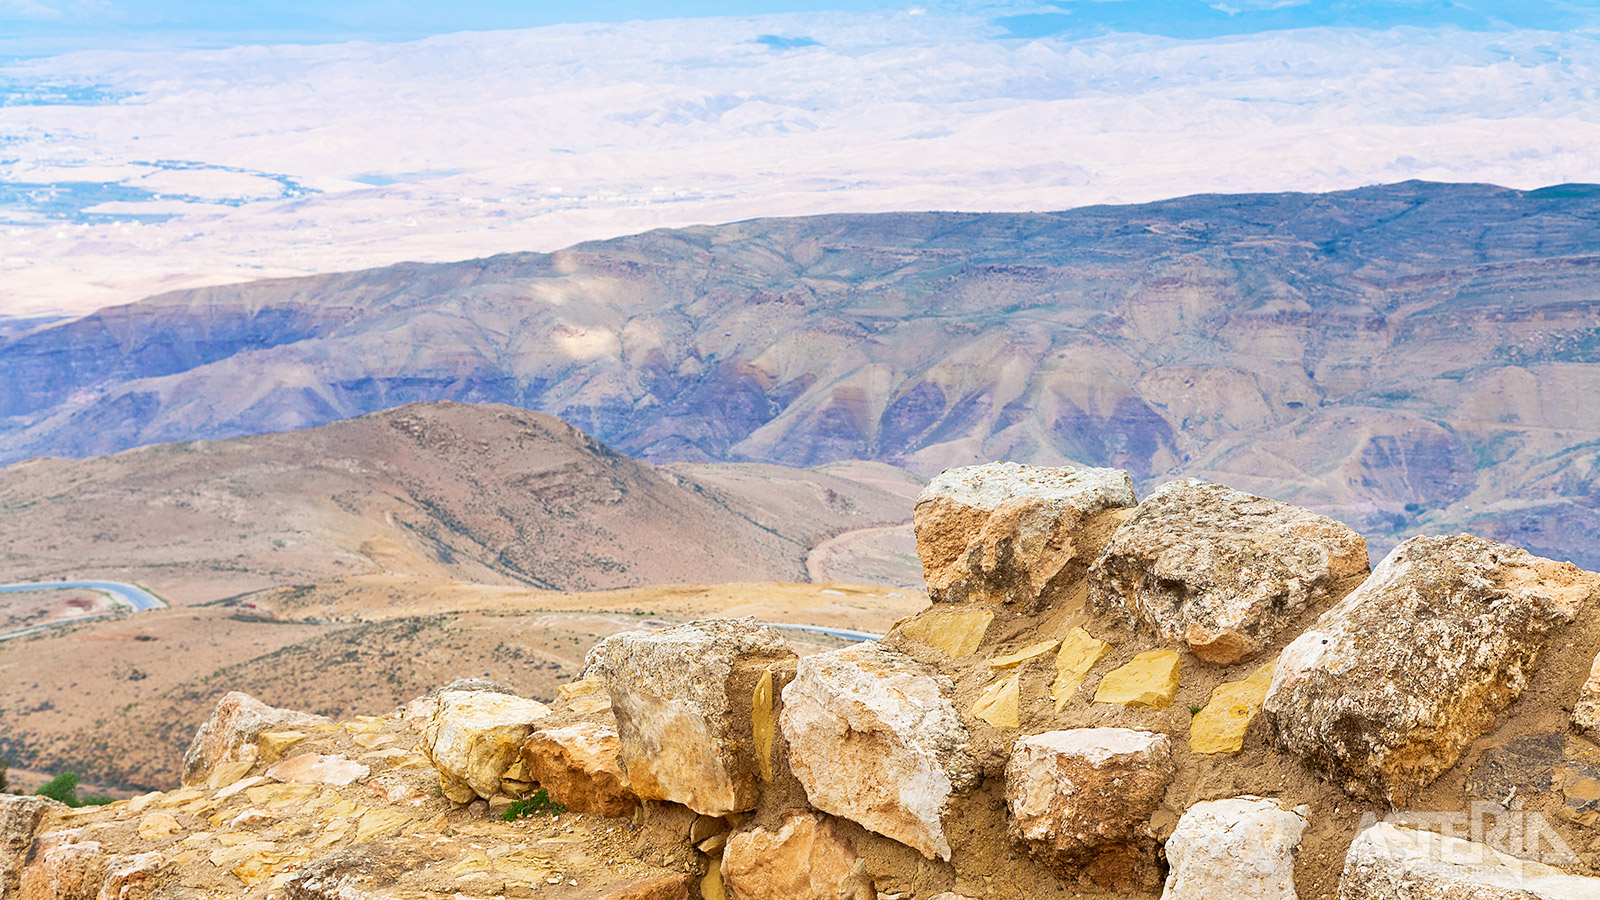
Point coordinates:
[(471, 492), (1410, 357)]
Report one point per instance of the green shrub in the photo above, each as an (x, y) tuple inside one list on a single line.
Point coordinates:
[(62, 788), (537, 803)]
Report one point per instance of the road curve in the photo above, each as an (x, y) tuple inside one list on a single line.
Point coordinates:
[(132, 596)]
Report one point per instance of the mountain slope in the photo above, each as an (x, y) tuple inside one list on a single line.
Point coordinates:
[(472, 492), (1413, 357)]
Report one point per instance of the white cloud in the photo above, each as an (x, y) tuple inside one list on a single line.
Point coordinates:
[(29, 11)]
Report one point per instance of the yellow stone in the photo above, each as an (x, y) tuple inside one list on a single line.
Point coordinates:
[(341, 809), (998, 703), (1148, 681), (157, 825), (1032, 651), (255, 870), (763, 724), (1220, 727), (375, 822), (274, 797), (958, 633), (1080, 652), (586, 696), (229, 772), (140, 803), (373, 741), (272, 744), (386, 753), (711, 885), (180, 797), (365, 724)]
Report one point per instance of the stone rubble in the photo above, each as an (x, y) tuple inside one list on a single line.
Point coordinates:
[(1384, 692), (226, 745), (1390, 862), (1221, 571), (1238, 849), (1006, 532), (874, 739)]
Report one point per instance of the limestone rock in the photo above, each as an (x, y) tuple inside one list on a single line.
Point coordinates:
[(1080, 652), (158, 825), (316, 768), (1239, 849), (1007, 532), (957, 632), (1148, 681), (873, 738), (1220, 727), (19, 820), (805, 859), (661, 887), (132, 877), (682, 697), (1586, 712), (1388, 862), (999, 703), (474, 737), (1219, 570), (63, 866), (578, 765), (1080, 802), (225, 747), (1383, 693)]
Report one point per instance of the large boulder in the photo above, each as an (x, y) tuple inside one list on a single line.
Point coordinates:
[(873, 738), (684, 701), (1383, 693), (19, 820), (474, 739), (1080, 802), (1390, 862), (225, 748), (577, 764), (1007, 532), (1238, 849), (804, 859), (1220, 571)]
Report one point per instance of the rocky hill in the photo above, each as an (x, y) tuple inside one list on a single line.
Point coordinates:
[(1202, 694), (1411, 357), (469, 492)]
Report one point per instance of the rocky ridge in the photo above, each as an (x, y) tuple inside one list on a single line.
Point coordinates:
[(1415, 732)]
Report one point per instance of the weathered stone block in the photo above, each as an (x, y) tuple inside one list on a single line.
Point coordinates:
[(956, 632), (20, 818), (805, 859), (225, 747), (474, 737), (1383, 693), (873, 738), (1221, 726), (1238, 849), (1388, 862), (683, 701), (1080, 802), (62, 865), (1007, 532), (1220, 571), (1148, 681), (578, 765)]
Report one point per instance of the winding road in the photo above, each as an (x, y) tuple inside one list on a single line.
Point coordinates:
[(132, 596)]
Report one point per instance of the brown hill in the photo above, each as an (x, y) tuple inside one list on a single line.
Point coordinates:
[(1411, 357), (477, 493)]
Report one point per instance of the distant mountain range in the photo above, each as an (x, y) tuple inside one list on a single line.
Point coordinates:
[(1411, 357)]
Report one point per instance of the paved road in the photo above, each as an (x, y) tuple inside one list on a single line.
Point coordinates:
[(132, 596), (845, 633)]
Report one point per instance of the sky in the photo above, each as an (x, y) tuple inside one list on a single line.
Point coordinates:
[(149, 146)]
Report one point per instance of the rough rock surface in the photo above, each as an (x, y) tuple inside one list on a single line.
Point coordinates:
[(19, 819), (1219, 570), (1080, 652), (578, 765), (1148, 681), (1220, 727), (1238, 849), (1586, 712), (873, 738), (1383, 693), (474, 739), (805, 859), (1389, 862), (1080, 801), (1005, 531), (63, 865), (225, 748), (317, 768), (956, 632), (682, 698)]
